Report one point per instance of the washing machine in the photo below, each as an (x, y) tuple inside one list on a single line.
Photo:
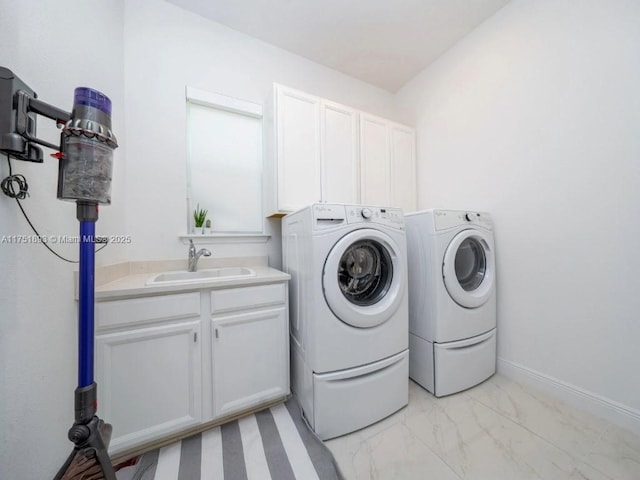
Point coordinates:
[(452, 299), (348, 314)]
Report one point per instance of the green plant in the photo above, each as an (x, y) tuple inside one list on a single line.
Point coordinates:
[(199, 215)]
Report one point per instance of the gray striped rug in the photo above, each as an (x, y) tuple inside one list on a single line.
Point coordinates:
[(272, 444)]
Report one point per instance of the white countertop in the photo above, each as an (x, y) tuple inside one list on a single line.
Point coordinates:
[(129, 284)]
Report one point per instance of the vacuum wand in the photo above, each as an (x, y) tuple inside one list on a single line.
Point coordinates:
[(87, 215), (90, 435)]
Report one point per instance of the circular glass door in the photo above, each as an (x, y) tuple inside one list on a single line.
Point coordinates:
[(363, 278), (468, 268), (470, 264), (365, 272)]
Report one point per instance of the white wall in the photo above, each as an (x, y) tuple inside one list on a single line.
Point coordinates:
[(53, 48), (535, 118), (168, 48)]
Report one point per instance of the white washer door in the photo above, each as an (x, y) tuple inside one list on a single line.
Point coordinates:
[(363, 278), (468, 268)]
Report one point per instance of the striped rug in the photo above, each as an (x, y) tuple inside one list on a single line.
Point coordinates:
[(272, 444)]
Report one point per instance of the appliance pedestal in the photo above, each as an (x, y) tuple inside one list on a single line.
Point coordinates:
[(446, 368)]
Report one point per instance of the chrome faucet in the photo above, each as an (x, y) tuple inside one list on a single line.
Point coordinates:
[(194, 256)]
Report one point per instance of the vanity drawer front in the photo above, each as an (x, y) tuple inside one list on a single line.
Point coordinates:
[(161, 308), (247, 297)]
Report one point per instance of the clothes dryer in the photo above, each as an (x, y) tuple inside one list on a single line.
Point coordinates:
[(452, 299), (348, 314)]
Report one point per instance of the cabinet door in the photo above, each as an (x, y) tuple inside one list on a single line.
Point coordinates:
[(403, 168), (149, 382), (375, 161), (339, 148), (298, 149), (250, 359)]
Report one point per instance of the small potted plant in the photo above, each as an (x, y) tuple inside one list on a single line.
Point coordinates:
[(199, 216), (207, 227)]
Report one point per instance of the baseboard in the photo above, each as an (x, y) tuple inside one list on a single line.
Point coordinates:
[(608, 409)]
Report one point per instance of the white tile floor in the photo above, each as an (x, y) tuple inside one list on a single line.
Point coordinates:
[(499, 430)]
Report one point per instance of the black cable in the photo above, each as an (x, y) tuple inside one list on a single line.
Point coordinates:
[(38, 235), (9, 183), (21, 182)]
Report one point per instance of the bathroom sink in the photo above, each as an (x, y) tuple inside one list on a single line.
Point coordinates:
[(182, 276)]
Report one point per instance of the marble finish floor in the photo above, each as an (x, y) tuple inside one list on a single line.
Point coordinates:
[(499, 430)]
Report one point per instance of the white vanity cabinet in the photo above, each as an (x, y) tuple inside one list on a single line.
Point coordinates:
[(173, 362), (148, 366), (250, 347)]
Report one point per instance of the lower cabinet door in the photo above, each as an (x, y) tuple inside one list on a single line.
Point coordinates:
[(250, 355), (149, 382)]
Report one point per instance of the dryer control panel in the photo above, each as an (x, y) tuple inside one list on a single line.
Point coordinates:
[(444, 219), (390, 217)]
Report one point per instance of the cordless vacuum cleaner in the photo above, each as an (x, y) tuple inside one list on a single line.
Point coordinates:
[(84, 176)]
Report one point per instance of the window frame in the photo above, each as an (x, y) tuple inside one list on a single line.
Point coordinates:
[(242, 107)]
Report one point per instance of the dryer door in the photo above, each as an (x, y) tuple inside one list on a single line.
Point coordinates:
[(364, 278), (468, 268)]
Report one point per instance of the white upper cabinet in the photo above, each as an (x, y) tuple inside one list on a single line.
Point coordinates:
[(403, 167), (388, 165), (317, 151), (327, 152), (339, 153), (375, 160), (298, 149)]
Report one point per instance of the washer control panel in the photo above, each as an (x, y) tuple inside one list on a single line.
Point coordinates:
[(328, 211), (444, 219), (391, 217)]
